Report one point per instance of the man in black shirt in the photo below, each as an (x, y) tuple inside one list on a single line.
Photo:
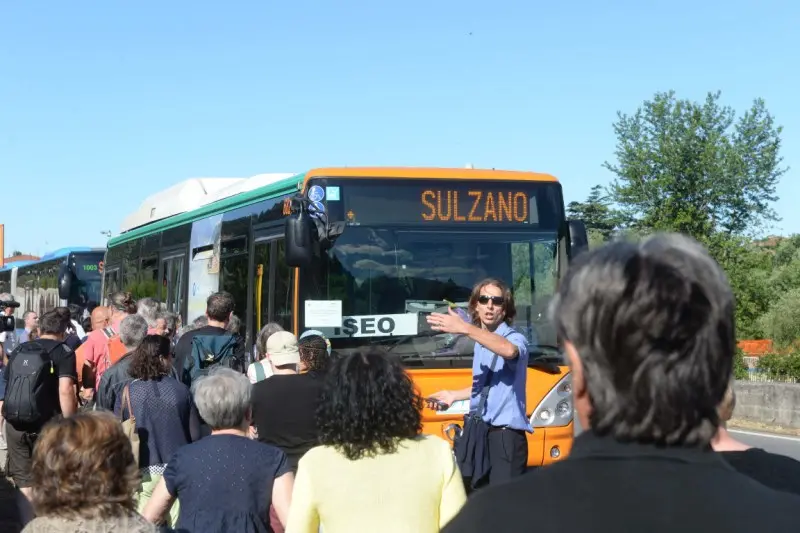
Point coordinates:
[(648, 329), (50, 362), (219, 309), (285, 404), (771, 469)]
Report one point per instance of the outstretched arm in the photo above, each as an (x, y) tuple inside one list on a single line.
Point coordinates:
[(453, 323)]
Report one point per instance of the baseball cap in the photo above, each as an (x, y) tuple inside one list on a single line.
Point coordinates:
[(282, 349)]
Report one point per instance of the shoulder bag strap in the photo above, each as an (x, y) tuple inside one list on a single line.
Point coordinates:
[(126, 403), (485, 390), (260, 374)]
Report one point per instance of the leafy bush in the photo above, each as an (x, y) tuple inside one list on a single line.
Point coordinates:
[(780, 366), (740, 370), (782, 322)]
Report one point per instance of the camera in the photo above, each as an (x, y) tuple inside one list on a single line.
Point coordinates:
[(7, 323)]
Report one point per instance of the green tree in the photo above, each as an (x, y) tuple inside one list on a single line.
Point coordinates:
[(596, 212), (692, 167)]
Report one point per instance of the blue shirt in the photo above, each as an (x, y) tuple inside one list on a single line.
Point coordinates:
[(505, 405)]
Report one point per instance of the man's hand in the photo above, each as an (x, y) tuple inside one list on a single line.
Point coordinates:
[(439, 401), (449, 323)]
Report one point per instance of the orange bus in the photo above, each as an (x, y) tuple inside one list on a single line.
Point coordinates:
[(377, 249)]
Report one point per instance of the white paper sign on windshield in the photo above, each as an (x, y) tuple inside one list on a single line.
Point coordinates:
[(323, 314), (373, 326)]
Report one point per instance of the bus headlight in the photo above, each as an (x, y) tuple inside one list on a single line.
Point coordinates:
[(555, 409)]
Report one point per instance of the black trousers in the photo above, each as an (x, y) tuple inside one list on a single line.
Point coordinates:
[(508, 456)]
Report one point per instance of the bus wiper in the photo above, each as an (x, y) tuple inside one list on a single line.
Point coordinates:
[(546, 357), (405, 338), (545, 351)]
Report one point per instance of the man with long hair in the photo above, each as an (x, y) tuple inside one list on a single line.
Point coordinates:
[(499, 375)]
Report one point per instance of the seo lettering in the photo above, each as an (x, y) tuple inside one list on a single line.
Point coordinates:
[(478, 206), (368, 325)]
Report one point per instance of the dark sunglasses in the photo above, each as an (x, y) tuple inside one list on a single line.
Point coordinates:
[(496, 300)]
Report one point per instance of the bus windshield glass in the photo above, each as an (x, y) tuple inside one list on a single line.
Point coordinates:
[(390, 271), (88, 271)]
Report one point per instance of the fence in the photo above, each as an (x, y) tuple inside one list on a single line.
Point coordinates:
[(760, 375)]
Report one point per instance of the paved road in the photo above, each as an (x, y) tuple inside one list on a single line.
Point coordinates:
[(782, 444)]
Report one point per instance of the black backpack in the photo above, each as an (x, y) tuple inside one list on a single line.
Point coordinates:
[(29, 373), (209, 351)]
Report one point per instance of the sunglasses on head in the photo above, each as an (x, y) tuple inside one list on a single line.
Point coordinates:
[(496, 300)]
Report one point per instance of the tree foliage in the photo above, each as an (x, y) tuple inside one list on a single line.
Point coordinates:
[(694, 168), (596, 212)]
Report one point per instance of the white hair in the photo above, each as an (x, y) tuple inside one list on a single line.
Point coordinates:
[(132, 331), (223, 398), (149, 309)]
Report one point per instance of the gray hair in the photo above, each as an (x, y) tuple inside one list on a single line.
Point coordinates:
[(223, 398), (263, 336), (653, 326), (132, 331), (234, 324), (149, 309), (198, 322), (171, 319)]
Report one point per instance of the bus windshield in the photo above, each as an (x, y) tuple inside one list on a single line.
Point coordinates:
[(88, 271), (389, 279)]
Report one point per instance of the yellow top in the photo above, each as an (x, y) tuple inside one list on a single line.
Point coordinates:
[(417, 489)]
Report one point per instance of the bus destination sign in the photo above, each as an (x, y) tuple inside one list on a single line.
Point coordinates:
[(446, 202), (473, 205)]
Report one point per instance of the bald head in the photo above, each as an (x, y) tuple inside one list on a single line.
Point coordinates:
[(101, 317)]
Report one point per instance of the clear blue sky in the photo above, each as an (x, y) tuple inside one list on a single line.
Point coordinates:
[(103, 103)]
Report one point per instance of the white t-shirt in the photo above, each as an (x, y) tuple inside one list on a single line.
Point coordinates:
[(251, 370)]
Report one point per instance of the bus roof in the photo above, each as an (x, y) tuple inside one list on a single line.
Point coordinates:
[(64, 252), (49, 256), (179, 198), (14, 264), (429, 172), (241, 193)]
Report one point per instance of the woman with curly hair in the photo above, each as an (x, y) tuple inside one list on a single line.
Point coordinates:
[(374, 470), (165, 416), (84, 477)]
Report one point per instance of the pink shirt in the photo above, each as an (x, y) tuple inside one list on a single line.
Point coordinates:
[(94, 350)]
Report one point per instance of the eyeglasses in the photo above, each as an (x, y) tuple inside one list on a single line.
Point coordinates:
[(496, 300)]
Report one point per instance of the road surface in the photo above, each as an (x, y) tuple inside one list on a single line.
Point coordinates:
[(782, 444)]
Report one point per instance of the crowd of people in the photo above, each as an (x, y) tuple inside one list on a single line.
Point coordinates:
[(146, 425)]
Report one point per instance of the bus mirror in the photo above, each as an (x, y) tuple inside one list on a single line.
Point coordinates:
[(578, 238), (299, 250), (64, 282)]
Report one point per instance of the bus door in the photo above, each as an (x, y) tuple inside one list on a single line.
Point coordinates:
[(272, 283), (173, 280)]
